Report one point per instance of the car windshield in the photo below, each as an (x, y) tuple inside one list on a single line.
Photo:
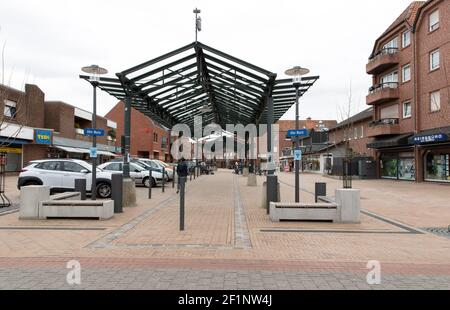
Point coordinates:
[(142, 164)]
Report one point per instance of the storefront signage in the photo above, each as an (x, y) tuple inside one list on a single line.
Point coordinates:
[(439, 137), (298, 133), (94, 132), (43, 136), (10, 150)]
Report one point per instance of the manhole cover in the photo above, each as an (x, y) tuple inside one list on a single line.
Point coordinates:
[(440, 231)]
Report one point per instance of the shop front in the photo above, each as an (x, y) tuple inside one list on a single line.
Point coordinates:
[(434, 152), (398, 165)]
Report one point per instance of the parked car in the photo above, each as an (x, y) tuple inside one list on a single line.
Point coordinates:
[(137, 172), (158, 164), (60, 176), (146, 164)]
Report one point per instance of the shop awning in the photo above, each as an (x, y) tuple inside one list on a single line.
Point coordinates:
[(396, 141), (82, 150)]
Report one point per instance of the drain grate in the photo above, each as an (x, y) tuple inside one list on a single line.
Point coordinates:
[(440, 231)]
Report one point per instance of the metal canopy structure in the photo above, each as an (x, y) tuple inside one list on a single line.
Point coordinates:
[(199, 80)]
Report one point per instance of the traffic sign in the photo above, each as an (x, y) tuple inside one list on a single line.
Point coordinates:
[(93, 152), (297, 155), (298, 133), (94, 132)]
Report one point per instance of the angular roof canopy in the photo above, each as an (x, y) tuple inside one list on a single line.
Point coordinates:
[(199, 80)]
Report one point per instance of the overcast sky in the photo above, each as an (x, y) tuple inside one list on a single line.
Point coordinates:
[(48, 41)]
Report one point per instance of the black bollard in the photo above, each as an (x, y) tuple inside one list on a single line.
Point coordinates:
[(182, 181), (117, 191), (150, 180), (163, 179), (80, 186), (173, 177)]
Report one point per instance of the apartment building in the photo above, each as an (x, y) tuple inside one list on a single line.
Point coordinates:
[(410, 95), (32, 128), (148, 138)]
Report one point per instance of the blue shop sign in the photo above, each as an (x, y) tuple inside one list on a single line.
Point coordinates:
[(438, 137), (43, 136)]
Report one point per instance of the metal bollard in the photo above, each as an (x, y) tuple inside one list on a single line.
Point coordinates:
[(173, 177), (163, 179), (150, 180), (80, 186), (195, 172), (190, 175), (320, 190), (117, 191), (272, 190), (182, 181)]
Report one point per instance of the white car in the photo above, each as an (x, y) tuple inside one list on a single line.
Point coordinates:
[(157, 164), (60, 175), (138, 173)]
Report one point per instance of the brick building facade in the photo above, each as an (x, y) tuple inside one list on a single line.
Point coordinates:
[(148, 139), (410, 66), (32, 128)]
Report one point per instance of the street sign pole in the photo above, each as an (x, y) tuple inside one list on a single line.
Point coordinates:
[(297, 148), (94, 146)]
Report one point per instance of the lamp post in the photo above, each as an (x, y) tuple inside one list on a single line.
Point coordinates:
[(95, 72), (296, 73)]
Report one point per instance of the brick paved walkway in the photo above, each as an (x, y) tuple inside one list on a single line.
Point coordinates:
[(230, 243)]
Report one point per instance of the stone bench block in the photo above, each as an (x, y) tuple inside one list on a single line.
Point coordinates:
[(349, 202), (30, 197), (101, 209), (303, 212)]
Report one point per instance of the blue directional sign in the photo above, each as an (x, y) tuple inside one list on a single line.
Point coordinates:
[(298, 133), (298, 155), (93, 152), (94, 132)]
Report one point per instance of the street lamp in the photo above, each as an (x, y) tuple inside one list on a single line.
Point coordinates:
[(94, 71), (296, 73)]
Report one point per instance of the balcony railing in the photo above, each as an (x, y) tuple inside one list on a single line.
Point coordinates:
[(384, 121), (383, 92), (382, 60), (382, 127)]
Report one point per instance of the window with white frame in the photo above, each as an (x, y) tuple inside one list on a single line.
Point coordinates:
[(434, 60), (362, 131), (407, 109), (406, 73), (10, 109), (434, 20), (435, 101), (391, 45), (356, 133), (406, 38), (389, 80)]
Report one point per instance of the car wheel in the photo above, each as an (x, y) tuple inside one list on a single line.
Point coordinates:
[(147, 182), (104, 190)]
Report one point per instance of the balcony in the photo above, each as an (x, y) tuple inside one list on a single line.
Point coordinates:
[(384, 127), (382, 93), (382, 60)]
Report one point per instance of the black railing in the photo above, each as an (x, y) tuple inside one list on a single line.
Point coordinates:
[(384, 51), (382, 86), (384, 121)]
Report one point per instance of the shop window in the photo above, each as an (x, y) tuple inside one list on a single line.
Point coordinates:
[(437, 167), (399, 166)]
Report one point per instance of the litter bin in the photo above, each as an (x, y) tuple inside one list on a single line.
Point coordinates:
[(320, 190)]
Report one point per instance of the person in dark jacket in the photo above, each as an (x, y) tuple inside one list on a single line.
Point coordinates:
[(182, 171)]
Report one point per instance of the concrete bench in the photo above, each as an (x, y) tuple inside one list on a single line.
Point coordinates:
[(100, 209), (66, 196), (326, 199), (304, 212)]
